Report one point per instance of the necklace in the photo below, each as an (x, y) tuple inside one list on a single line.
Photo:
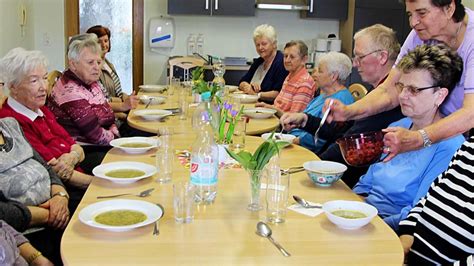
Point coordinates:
[(455, 40)]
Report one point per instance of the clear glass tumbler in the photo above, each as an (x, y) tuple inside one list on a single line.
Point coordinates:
[(183, 202)]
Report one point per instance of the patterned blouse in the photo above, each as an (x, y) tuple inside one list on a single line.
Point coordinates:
[(297, 91), (83, 110)]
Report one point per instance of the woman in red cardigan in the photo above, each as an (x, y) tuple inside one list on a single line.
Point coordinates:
[(25, 75)]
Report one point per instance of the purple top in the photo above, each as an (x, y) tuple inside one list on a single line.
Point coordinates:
[(466, 51)]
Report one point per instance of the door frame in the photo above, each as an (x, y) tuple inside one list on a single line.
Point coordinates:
[(71, 28)]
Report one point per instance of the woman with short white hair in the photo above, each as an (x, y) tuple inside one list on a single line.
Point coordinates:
[(267, 73), (330, 76)]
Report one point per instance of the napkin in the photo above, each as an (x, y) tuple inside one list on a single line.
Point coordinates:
[(313, 212)]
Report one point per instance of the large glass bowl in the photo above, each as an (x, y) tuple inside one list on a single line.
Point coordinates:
[(361, 149)]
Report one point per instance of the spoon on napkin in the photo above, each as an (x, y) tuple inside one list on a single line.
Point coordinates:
[(304, 203)]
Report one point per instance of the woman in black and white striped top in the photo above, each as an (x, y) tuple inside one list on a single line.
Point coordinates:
[(440, 228)]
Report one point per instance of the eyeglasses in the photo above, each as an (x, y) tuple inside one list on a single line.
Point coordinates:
[(358, 58), (411, 89)]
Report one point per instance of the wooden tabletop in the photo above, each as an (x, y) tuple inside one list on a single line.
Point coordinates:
[(254, 127), (224, 233)]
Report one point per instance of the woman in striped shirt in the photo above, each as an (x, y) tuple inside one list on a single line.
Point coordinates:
[(440, 228)]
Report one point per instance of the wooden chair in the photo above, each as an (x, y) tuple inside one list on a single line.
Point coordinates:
[(358, 91), (53, 76), (186, 63)]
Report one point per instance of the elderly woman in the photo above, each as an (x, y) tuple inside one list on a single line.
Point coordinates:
[(298, 88), (428, 74), (330, 75), (433, 21), (267, 73), (25, 75), (31, 194), (109, 78), (77, 99)]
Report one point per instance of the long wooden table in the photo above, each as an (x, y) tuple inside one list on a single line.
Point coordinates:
[(254, 127), (224, 233)]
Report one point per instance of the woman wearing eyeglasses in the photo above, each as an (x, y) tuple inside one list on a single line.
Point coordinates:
[(428, 75), (432, 21)]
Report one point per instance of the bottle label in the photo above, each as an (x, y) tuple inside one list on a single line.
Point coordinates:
[(203, 173)]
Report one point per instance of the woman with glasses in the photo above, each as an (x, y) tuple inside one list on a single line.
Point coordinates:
[(428, 74), (432, 21)]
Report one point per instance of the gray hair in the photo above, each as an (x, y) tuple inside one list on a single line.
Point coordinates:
[(381, 38), (18, 63), (266, 31), (337, 63), (302, 47), (79, 42)]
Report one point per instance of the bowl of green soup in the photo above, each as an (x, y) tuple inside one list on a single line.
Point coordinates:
[(135, 145), (124, 172), (349, 215)]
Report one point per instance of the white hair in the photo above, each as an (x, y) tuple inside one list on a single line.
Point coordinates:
[(18, 64), (80, 42), (337, 63), (266, 31)]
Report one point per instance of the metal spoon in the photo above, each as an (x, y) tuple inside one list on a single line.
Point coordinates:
[(142, 194), (278, 135), (149, 102), (156, 231), (264, 230), (304, 203), (323, 120)]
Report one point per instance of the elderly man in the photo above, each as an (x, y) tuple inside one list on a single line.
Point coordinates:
[(375, 51)]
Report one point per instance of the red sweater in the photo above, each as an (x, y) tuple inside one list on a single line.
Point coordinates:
[(46, 136)]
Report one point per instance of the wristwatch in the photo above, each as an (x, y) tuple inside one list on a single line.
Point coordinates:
[(426, 140), (61, 194)]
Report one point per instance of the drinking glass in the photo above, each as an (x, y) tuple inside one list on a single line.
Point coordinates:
[(183, 103), (174, 85), (278, 185), (164, 134), (238, 139), (183, 202), (164, 164)]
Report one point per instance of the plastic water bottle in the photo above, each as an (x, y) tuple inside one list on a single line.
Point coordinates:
[(200, 44), (206, 114), (191, 44), (204, 166)]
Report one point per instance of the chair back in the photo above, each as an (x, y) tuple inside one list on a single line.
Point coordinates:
[(53, 76), (186, 63), (358, 91)]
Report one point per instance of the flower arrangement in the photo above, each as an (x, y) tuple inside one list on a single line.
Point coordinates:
[(200, 86), (260, 157), (228, 119)]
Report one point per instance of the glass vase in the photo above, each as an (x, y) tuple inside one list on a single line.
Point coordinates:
[(255, 182)]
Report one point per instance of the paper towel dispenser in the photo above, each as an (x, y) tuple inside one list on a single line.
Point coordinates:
[(286, 4), (161, 33)]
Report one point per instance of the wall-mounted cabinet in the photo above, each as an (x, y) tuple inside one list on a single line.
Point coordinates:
[(212, 7), (327, 9)]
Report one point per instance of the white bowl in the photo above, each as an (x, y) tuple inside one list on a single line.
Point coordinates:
[(88, 213), (101, 170), (346, 223), (152, 114), (231, 88), (259, 112), (287, 138), (119, 143), (324, 173), (246, 98), (145, 99), (153, 88)]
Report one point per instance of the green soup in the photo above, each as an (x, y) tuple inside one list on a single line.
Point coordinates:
[(135, 145), (125, 173), (120, 217), (349, 214)]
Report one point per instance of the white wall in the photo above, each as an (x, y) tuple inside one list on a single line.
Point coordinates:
[(44, 29), (227, 36), (12, 35)]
